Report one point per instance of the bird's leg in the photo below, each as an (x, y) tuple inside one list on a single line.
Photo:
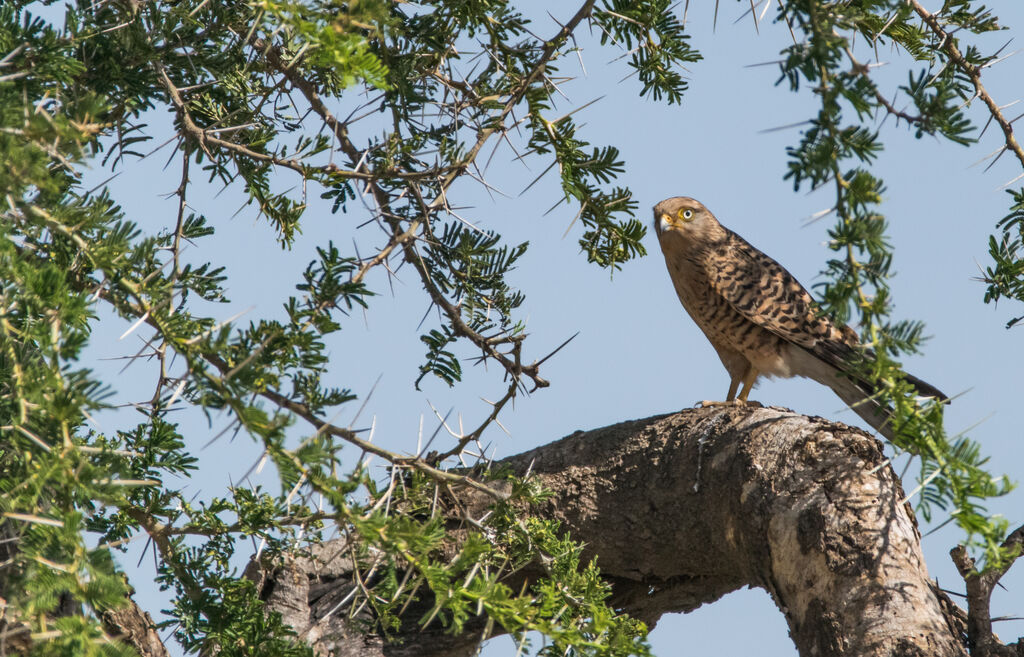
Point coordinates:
[(731, 397), (733, 386), (747, 379), (748, 384)]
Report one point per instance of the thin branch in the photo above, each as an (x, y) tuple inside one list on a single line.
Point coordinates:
[(383, 200), (981, 640), (205, 138), (863, 71), (948, 45), (157, 530)]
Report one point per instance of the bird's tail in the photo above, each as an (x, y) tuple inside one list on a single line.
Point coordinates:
[(856, 392), (858, 396), (925, 389)]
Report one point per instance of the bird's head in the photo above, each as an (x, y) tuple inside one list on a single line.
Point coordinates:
[(686, 218)]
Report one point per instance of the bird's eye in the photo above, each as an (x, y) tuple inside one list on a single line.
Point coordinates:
[(685, 215)]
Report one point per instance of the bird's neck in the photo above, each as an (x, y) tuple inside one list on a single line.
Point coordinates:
[(693, 247)]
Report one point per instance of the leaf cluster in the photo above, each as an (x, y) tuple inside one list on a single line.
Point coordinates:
[(567, 604), (383, 110), (1005, 276), (359, 100), (838, 150)]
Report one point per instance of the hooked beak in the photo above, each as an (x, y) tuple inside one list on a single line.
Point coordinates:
[(661, 223)]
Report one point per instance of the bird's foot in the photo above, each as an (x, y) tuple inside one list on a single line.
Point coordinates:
[(732, 402)]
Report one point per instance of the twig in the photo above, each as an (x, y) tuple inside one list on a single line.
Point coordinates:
[(206, 139), (948, 45)]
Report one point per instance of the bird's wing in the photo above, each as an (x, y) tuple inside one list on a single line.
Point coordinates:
[(762, 291)]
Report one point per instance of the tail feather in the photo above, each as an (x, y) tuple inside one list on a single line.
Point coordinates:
[(827, 366), (925, 389), (863, 404)]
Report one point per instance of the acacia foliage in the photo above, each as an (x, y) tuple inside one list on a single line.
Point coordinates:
[(272, 92)]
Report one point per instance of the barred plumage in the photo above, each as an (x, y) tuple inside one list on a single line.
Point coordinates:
[(756, 315)]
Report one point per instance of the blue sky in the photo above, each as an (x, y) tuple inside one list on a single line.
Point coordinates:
[(637, 353)]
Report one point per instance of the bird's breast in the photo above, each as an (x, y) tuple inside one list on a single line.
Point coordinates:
[(718, 319)]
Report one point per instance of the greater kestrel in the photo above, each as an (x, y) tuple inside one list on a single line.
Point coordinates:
[(756, 315)]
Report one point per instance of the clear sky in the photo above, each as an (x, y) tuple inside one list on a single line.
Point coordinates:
[(638, 353)]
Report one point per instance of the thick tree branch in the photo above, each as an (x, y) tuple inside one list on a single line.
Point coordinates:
[(135, 627), (128, 623), (684, 508)]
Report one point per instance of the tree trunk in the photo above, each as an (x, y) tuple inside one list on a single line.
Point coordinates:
[(685, 508)]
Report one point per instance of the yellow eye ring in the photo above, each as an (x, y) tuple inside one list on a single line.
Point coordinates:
[(685, 215)]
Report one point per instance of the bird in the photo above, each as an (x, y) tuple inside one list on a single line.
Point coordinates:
[(757, 315)]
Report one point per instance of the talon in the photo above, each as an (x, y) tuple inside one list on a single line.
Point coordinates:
[(731, 402)]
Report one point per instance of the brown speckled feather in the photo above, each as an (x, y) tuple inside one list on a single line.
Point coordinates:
[(756, 315), (766, 294)]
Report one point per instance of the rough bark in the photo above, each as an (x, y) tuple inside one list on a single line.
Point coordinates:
[(685, 508), (129, 623), (135, 627), (981, 640)]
